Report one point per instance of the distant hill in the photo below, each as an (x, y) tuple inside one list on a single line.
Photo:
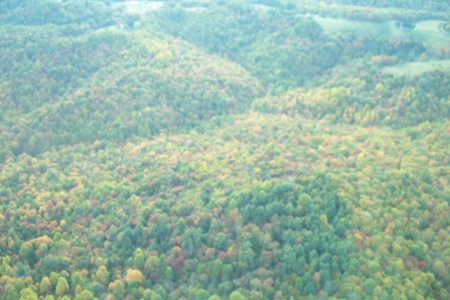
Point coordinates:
[(434, 5), (76, 89)]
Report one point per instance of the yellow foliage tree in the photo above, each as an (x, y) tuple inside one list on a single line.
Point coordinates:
[(102, 274), (134, 275)]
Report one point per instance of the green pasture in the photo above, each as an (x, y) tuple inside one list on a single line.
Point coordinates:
[(333, 25), (426, 31), (417, 68)]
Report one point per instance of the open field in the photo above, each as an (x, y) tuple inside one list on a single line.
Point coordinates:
[(140, 7), (417, 68), (425, 31), (332, 25)]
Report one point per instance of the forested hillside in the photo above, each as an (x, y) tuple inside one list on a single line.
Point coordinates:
[(224, 150)]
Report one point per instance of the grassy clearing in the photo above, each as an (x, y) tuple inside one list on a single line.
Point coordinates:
[(417, 68), (141, 8), (426, 31), (333, 25)]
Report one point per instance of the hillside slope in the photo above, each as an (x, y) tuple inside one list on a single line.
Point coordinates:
[(303, 205), (110, 84)]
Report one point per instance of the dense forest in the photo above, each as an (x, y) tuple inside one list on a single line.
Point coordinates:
[(218, 149)]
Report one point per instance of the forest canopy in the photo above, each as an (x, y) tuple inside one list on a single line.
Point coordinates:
[(224, 149)]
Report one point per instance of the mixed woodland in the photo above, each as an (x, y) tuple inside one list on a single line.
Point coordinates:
[(223, 150)]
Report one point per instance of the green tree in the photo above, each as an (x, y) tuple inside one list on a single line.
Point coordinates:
[(28, 294), (77, 279), (236, 295), (5, 268), (54, 278), (119, 290), (201, 294), (45, 286), (84, 295), (147, 295), (27, 253), (62, 287), (139, 259), (369, 286), (440, 269), (324, 222), (304, 200), (10, 292), (216, 269)]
